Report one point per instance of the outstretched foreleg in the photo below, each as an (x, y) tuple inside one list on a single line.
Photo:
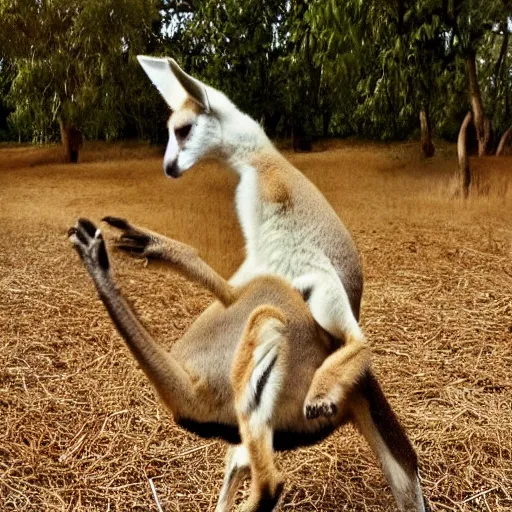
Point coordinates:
[(257, 376), (182, 257), (171, 381)]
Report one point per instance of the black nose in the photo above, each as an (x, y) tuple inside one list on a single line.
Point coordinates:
[(172, 170)]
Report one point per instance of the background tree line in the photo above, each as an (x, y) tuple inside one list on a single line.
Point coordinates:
[(379, 69)]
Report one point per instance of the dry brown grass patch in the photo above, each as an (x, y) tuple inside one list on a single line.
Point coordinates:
[(79, 425)]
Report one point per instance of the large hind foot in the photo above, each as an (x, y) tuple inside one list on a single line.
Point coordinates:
[(88, 242)]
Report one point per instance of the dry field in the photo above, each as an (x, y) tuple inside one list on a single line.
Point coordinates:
[(79, 426)]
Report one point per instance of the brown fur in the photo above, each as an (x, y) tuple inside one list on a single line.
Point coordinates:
[(192, 105), (242, 365), (343, 369), (266, 482), (204, 379), (185, 115), (184, 258), (273, 187)]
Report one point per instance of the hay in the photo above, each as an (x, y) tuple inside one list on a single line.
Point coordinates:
[(79, 425)]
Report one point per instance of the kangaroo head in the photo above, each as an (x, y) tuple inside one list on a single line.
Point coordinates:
[(204, 123)]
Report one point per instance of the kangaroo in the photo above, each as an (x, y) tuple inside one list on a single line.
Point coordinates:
[(243, 369), (289, 227)]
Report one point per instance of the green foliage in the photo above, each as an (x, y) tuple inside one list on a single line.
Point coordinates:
[(5, 85), (320, 66), (74, 61), (240, 50)]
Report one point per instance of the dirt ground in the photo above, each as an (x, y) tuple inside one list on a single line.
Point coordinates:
[(80, 428)]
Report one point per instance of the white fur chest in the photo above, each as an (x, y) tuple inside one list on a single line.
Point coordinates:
[(285, 246), (247, 208), (276, 243)]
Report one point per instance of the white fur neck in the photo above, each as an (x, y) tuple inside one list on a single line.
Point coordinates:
[(242, 138)]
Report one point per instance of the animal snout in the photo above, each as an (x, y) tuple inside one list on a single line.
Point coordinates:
[(172, 170)]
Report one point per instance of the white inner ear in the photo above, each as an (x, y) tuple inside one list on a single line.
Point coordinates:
[(159, 72), (195, 88)]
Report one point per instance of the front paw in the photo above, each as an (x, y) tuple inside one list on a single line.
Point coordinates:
[(324, 399), (320, 406), (132, 240), (88, 242)]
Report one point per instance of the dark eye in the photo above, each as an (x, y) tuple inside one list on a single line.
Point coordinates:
[(183, 131)]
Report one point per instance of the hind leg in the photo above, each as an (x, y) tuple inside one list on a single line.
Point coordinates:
[(341, 371), (257, 375), (237, 468)]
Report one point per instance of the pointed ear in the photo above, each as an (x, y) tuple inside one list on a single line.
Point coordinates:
[(159, 72), (195, 88)]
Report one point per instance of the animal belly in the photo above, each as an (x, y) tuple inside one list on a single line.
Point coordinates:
[(283, 439), (206, 352)]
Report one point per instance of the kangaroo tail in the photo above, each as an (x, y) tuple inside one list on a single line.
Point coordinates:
[(377, 422)]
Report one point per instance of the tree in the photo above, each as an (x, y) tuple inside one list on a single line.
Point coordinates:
[(504, 142), (264, 55), (5, 85), (381, 69), (495, 76), (322, 64), (388, 52), (469, 23), (464, 169), (236, 47), (74, 64)]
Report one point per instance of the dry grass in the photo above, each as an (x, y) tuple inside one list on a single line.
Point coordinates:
[(79, 426)]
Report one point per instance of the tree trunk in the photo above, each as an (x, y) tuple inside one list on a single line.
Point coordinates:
[(507, 106), (426, 133), (72, 141), (301, 140), (270, 124), (497, 72), (504, 142), (482, 125), (326, 121), (464, 170)]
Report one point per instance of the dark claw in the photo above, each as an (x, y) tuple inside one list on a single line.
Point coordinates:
[(80, 235), (85, 231), (102, 256), (116, 222), (312, 412), (315, 411), (135, 249), (87, 226), (135, 238)]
